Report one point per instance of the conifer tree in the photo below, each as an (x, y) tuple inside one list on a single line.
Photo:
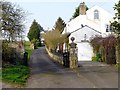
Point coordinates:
[(34, 32), (59, 25)]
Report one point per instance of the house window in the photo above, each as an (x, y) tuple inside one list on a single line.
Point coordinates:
[(96, 14), (108, 28)]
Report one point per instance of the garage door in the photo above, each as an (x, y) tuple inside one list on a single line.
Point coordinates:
[(85, 51)]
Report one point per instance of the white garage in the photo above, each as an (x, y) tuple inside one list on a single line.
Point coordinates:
[(82, 37), (85, 51)]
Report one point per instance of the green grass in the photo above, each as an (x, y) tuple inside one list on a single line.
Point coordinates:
[(15, 74), (28, 49), (0, 74)]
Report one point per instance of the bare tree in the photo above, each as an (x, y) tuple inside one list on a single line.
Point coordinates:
[(12, 21)]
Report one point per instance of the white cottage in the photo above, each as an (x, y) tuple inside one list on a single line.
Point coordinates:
[(94, 21)]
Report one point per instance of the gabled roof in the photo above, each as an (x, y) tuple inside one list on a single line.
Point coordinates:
[(84, 27), (96, 6)]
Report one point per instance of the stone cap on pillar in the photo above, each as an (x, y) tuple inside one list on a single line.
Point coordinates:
[(72, 39), (72, 45)]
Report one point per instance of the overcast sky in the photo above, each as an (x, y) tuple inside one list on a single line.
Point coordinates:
[(46, 12)]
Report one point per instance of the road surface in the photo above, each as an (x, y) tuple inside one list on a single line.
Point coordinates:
[(47, 74)]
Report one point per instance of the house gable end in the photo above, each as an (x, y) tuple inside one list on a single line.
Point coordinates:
[(88, 27)]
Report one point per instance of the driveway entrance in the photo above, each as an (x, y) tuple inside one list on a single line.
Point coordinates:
[(47, 74)]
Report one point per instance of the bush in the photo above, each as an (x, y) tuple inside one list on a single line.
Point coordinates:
[(97, 57), (93, 58), (118, 50), (109, 44), (95, 43), (10, 55), (7, 53), (106, 48), (38, 44)]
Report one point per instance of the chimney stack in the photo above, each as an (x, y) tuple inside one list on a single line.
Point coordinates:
[(82, 9)]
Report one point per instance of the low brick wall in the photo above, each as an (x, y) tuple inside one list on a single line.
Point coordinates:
[(55, 57)]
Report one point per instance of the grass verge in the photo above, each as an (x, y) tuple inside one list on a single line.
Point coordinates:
[(0, 75), (15, 74)]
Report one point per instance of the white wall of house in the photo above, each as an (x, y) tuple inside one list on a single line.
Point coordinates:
[(104, 18), (85, 51), (88, 19), (76, 23), (93, 26)]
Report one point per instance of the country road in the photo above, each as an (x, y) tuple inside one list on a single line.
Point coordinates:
[(47, 74)]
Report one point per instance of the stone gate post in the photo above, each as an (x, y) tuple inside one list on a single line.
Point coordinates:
[(73, 58)]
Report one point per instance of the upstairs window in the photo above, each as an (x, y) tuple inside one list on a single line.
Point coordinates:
[(96, 14)]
